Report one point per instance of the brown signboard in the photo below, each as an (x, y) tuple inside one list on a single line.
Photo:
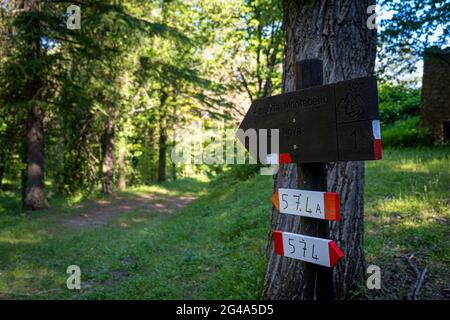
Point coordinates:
[(334, 122)]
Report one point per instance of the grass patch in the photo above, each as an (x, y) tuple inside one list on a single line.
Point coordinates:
[(215, 247), (407, 212), (207, 250), (406, 133)]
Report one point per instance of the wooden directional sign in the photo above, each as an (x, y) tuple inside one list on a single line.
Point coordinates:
[(313, 204), (334, 122), (314, 250)]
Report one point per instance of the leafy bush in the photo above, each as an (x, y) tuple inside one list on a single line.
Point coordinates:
[(244, 172), (405, 133), (236, 173), (397, 102)]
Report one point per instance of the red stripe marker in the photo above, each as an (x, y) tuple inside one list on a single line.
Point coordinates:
[(285, 158), (278, 239), (376, 130), (282, 158)]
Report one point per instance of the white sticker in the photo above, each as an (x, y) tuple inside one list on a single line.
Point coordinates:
[(376, 129), (272, 158), (310, 249), (302, 203)]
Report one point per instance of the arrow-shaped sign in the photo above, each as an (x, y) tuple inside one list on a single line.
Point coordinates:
[(334, 122), (313, 204), (314, 250)]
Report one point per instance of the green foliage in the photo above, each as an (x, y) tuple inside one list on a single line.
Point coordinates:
[(141, 68), (399, 114), (397, 102), (415, 26), (405, 133), (262, 34), (243, 172)]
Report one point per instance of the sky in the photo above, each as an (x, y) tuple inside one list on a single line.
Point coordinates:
[(385, 14)]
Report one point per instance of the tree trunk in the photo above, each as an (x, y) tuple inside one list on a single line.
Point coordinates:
[(108, 158), (34, 191), (174, 142), (335, 32), (162, 152), (162, 137), (122, 181), (2, 168), (174, 172)]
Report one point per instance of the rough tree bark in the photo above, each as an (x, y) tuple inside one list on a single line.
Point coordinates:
[(33, 177), (108, 158), (334, 31), (35, 192), (122, 178)]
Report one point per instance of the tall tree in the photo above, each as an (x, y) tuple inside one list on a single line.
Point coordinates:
[(260, 52), (33, 74), (174, 72), (32, 52), (162, 136), (336, 32), (415, 25), (108, 155), (120, 29)]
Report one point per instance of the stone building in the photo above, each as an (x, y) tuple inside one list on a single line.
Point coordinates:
[(435, 104)]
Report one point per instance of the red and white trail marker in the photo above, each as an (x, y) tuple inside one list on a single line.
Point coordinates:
[(313, 204), (376, 131), (314, 250), (279, 158)]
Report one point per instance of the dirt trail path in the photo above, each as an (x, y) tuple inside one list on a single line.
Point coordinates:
[(99, 212)]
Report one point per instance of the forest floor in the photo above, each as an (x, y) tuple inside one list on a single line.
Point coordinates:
[(200, 239), (96, 213)]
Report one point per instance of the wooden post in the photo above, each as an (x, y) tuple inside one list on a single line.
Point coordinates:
[(313, 176)]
